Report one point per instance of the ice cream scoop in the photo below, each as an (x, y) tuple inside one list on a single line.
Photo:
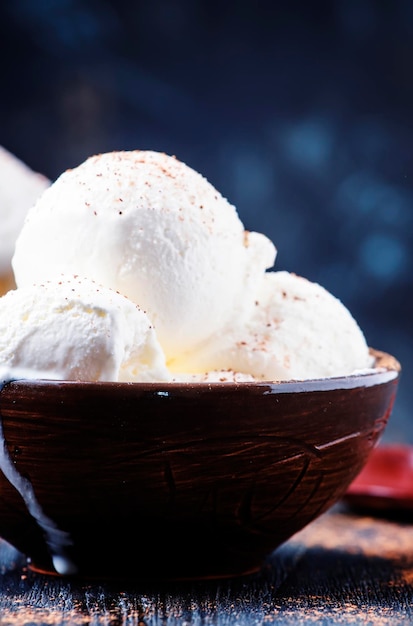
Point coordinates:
[(77, 330), (19, 189), (147, 225), (298, 330)]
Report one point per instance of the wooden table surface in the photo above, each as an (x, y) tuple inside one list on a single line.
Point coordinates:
[(344, 568)]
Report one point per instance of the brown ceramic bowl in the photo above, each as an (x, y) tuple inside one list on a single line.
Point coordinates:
[(179, 481)]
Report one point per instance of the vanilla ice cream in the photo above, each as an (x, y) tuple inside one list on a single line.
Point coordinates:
[(297, 330), (77, 330), (19, 189), (147, 225)]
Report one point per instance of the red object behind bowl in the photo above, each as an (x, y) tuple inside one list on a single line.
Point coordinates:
[(386, 481)]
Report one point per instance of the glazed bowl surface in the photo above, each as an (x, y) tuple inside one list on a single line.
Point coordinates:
[(174, 481)]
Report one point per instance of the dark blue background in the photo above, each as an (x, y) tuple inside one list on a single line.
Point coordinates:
[(299, 112)]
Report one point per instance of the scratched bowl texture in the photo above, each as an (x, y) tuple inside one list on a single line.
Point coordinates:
[(179, 481)]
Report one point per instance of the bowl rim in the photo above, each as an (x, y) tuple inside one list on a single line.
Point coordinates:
[(386, 368)]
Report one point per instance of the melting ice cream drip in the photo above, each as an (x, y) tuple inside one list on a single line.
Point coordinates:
[(56, 539)]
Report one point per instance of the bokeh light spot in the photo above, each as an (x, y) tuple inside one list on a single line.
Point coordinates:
[(383, 256), (363, 193), (309, 144)]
